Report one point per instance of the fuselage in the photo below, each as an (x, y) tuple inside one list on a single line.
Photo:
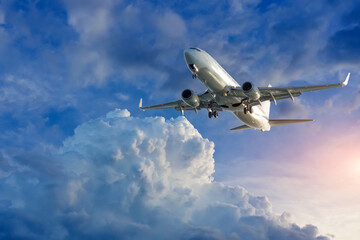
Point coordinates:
[(219, 82)]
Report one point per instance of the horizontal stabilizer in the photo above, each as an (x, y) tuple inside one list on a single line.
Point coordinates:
[(240, 127), (279, 122)]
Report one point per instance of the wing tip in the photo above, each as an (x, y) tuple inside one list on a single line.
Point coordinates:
[(140, 104), (344, 83)]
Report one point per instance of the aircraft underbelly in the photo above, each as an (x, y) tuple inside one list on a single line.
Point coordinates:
[(255, 120), (215, 78), (211, 80)]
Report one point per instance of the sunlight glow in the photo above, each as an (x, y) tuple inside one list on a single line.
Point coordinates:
[(355, 170), (357, 166)]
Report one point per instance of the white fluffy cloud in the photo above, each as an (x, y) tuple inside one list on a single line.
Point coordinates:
[(124, 177)]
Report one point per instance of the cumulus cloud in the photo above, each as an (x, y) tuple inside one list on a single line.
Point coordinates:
[(51, 49), (124, 177)]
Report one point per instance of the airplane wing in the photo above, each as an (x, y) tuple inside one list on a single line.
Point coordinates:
[(206, 101), (273, 94), (172, 104)]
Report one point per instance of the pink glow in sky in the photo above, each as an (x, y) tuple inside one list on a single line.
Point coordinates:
[(317, 179)]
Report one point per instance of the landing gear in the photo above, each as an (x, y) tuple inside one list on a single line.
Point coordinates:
[(246, 103), (248, 109), (213, 113), (194, 76)]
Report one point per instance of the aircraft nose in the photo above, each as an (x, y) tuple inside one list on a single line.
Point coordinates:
[(189, 55)]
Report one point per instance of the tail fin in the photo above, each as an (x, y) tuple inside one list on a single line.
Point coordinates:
[(279, 122), (266, 108)]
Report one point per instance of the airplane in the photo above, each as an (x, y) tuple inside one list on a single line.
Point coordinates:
[(249, 103)]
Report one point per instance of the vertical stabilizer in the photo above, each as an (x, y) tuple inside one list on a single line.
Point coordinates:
[(266, 108)]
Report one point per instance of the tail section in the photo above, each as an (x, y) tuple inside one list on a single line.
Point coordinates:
[(266, 108), (279, 122), (276, 122)]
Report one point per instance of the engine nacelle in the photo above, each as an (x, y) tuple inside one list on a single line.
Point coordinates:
[(251, 91), (190, 98)]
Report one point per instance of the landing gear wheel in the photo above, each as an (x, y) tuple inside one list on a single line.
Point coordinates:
[(248, 110), (194, 76), (251, 110), (215, 114), (210, 114)]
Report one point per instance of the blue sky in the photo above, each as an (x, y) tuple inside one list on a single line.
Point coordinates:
[(68, 63)]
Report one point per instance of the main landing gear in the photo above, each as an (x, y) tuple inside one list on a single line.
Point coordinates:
[(246, 103), (248, 109), (213, 113)]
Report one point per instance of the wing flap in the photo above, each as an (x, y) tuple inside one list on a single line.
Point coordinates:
[(172, 104), (206, 101), (298, 90)]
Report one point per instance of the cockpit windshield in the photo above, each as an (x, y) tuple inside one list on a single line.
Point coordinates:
[(196, 49)]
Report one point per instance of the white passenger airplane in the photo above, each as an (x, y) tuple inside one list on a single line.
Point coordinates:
[(247, 102)]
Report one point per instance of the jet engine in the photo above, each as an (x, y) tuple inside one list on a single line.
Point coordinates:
[(251, 91), (190, 98)]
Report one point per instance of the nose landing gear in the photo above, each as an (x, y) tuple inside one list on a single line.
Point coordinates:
[(194, 70)]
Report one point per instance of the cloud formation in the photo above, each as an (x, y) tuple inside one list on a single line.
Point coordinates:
[(124, 177), (65, 62)]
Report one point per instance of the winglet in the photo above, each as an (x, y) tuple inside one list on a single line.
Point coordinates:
[(344, 83), (140, 104)]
